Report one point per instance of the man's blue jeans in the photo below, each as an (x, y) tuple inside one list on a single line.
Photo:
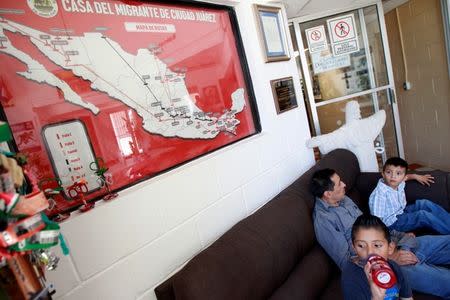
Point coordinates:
[(428, 275), (423, 214)]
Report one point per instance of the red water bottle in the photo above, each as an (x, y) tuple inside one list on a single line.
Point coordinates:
[(382, 274)]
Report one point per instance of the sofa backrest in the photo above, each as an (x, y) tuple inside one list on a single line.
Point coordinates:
[(252, 259), (258, 256), (342, 161), (438, 192)]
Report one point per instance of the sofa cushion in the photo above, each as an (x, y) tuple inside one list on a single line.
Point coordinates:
[(359, 200), (260, 251), (333, 290), (366, 183), (300, 188), (438, 193), (342, 161), (309, 278), (230, 268)]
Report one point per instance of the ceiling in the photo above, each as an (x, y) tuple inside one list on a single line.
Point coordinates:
[(299, 8)]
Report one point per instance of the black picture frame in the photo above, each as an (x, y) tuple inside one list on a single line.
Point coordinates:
[(247, 85), (284, 94)]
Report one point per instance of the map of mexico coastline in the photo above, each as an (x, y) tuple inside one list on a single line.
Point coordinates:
[(162, 100), (176, 68)]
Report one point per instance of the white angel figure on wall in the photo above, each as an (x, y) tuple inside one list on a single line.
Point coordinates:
[(356, 135)]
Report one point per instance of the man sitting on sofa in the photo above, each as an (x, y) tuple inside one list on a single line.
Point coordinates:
[(419, 257)]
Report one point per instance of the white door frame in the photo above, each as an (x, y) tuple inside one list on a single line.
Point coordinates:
[(390, 87)]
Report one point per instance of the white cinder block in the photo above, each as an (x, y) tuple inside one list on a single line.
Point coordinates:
[(135, 274), (260, 190), (297, 138), (64, 277), (188, 192), (238, 166), (220, 217), (148, 295), (109, 285), (153, 263), (269, 145), (100, 237), (290, 169)]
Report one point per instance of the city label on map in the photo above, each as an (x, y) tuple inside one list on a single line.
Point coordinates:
[(102, 61)]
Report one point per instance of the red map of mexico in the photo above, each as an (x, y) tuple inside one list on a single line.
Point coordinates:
[(170, 75)]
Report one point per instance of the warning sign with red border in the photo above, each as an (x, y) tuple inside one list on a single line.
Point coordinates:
[(343, 35), (317, 40)]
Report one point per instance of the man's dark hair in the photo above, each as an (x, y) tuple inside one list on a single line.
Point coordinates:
[(321, 182), (368, 221), (396, 162)]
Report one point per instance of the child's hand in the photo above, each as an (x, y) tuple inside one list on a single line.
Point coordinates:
[(376, 291), (426, 179)]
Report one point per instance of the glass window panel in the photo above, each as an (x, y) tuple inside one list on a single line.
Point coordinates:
[(332, 116), (348, 74)]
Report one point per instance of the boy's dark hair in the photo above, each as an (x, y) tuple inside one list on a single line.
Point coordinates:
[(396, 162), (368, 221), (321, 182)]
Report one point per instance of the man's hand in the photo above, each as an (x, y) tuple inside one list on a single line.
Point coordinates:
[(426, 179), (404, 257)]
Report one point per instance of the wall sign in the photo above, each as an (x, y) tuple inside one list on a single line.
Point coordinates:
[(272, 34), (317, 39), (343, 35), (71, 153), (284, 94), (327, 62), (155, 84)]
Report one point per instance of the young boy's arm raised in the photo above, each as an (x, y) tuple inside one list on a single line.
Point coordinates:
[(426, 179)]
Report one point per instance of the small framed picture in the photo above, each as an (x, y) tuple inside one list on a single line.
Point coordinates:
[(284, 94), (272, 33)]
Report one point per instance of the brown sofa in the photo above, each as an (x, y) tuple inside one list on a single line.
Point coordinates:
[(273, 253)]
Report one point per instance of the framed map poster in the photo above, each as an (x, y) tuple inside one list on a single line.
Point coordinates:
[(149, 85)]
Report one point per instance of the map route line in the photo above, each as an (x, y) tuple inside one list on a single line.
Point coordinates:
[(132, 69), (164, 102), (20, 31), (177, 115), (167, 89)]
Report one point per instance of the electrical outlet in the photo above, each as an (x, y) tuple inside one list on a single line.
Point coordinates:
[(406, 85)]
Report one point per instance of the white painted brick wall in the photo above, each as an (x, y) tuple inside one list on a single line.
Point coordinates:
[(123, 249)]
